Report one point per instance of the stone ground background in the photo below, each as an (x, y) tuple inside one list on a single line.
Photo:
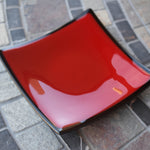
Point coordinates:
[(126, 127)]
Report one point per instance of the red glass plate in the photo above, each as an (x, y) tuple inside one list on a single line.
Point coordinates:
[(75, 72)]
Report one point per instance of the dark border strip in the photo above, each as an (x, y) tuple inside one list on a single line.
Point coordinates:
[(57, 130)]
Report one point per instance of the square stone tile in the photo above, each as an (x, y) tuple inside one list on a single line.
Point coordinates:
[(14, 18), (145, 96), (54, 14), (2, 123), (1, 13), (115, 10), (139, 143), (126, 31), (2, 68), (135, 21), (12, 3), (74, 3), (103, 17), (3, 36), (143, 7), (19, 114), (7, 142), (17, 35), (144, 36), (140, 51), (94, 4), (112, 130), (77, 12), (141, 109), (38, 137), (8, 90)]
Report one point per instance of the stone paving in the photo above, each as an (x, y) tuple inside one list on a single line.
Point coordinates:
[(125, 127)]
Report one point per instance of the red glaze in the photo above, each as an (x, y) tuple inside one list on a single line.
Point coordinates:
[(75, 73)]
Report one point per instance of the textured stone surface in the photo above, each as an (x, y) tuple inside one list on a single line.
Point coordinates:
[(54, 14), (141, 110), (76, 12), (74, 141), (2, 124), (126, 31), (144, 36), (115, 10), (145, 96), (38, 137), (135, 21), (74, 3), (17, 35), (142, 7), (12, 3), (4, 77), (3, 36), (114, 33), (2, 68), (7, 142), (19, 115), (103, 17), (140, 143), (1, 13), (14, 18), (141, 52), (94, 4), (8, 90), (112, 129)]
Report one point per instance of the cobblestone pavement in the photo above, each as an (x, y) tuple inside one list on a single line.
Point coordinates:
[(126, 127)]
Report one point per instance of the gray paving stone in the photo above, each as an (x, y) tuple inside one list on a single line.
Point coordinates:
[(19, 115), (8, 90), (142, 7), (76, 12), (2, 68), (139, 143), (74, 3), (126, 31), (111, 130), (103, 17), (115, 10), (14, 18), (135, 21), (74, 141), (12, 3), (38, 137), (3, 36), (4, 77), (94, 4), (141, 109), (2, 123), (1, 13), (145, 96), (7, 142), (114, 33), (141, 52), (144, 36), (127, 49), (17, 35), (54, 15)]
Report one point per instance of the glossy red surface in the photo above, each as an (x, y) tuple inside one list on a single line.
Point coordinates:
[(76, 72)]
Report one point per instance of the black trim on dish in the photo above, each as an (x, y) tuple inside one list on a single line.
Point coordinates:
[(58, 130)]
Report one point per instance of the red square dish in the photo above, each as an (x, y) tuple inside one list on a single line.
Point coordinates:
[(75, 72)]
